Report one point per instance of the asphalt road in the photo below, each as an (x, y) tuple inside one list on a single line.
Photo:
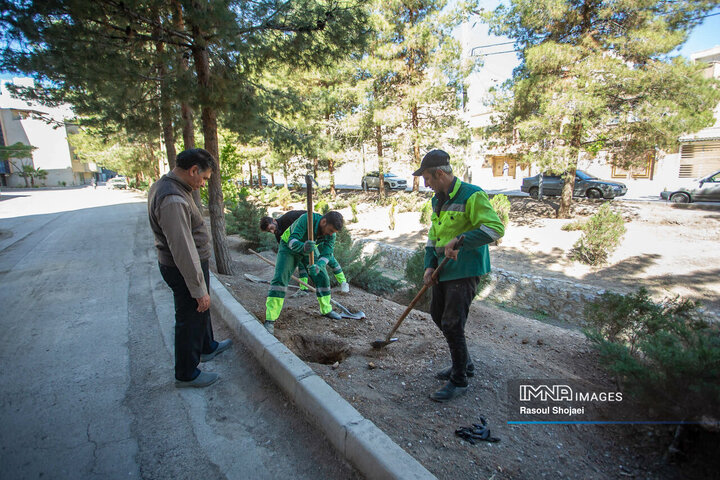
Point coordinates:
[(86, 341)]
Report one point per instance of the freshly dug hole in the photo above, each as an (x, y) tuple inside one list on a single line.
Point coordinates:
[(319, 349)]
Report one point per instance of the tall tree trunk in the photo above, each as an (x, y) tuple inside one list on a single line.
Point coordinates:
[(331, 161), (259, 174), (416, 144), (567, 191), (381, 166), (208, 116), (165, 107), (272, 178), (569, 176), (331, 169), (315, 168), (186, 113), (250, 175)]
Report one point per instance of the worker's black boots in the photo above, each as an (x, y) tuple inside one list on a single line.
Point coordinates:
[(448, 392), (445, 374)]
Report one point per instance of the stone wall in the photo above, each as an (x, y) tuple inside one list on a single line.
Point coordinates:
[(559, 299)]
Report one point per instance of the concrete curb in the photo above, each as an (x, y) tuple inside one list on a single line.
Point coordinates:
[(357, 439)]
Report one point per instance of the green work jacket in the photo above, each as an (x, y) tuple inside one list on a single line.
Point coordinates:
[(296, 236), (465, 210)]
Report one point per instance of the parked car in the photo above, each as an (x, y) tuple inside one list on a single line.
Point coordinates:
[(705, 189), (263, 179), (586, 185), (117, 182), (392, 181)]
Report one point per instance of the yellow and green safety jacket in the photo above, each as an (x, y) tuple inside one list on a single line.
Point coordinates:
[(464, 210)]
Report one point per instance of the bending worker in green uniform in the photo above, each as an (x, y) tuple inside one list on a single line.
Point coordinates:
[(278, 228), (459, 209), (294, 250)]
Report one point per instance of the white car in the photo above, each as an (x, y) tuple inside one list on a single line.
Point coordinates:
[(705, 189), (117, 182)]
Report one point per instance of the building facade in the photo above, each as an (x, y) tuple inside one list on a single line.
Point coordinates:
[(47, 130)]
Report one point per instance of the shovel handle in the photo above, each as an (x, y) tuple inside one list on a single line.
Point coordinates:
[(308, 181), (422, 291), (310, 287)]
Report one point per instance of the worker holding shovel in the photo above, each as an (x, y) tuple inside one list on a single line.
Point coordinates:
[(278, 227), (460, 210), (295, 249)]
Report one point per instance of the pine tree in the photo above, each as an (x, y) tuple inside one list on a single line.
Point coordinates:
[(231, 44), (597, 75)]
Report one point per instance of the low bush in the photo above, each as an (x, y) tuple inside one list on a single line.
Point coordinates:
[(391, 215), (353, 209), (501, 205), (243, 219), (426, 213), (361, 271), (664, 354), (322, 207), (602, 234), (573, 226)]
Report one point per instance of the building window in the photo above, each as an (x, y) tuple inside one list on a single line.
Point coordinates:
[(697, 160)]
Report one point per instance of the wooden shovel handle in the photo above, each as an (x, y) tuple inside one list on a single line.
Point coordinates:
[(310, 233), (422, 291)]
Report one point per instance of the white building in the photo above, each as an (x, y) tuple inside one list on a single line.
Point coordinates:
[(47, 130)]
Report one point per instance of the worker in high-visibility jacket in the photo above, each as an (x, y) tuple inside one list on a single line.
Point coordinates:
[(294, 250), (459, 209), (278, 226)]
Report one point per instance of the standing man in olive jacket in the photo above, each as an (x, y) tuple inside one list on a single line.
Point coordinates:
[(459, 209), (183, 247)]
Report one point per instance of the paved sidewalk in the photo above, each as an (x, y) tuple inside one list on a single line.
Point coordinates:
[(87, 383)]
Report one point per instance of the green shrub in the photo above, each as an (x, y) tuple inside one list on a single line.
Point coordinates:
[(284, 198), (426, 213), (666, 355), (501, 205), (415, 268), (391, 214), (601, 236), (244, 220), (322, 207), (361, 271), (353, 209), (573, 226)]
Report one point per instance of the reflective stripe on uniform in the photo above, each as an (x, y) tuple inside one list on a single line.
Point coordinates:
[(323, 291), (494, 234)]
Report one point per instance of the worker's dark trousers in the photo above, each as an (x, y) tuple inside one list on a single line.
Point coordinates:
[(193, 330), (449, 310)]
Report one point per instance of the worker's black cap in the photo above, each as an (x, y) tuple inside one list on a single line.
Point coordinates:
[(434, 158)]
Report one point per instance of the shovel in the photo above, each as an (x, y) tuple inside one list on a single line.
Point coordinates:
[(344, 312), (377, 344)]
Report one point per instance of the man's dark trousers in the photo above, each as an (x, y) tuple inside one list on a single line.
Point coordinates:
[(449, 309), (193, 329)]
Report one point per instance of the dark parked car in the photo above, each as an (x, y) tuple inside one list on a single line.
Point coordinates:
[(263, 179), (705, 189), (586, 185), (392, 181)]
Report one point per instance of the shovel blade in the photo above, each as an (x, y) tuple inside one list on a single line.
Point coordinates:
[(377, 344)]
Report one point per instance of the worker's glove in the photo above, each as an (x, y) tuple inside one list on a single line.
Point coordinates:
[(315, 268), (310, 246)]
